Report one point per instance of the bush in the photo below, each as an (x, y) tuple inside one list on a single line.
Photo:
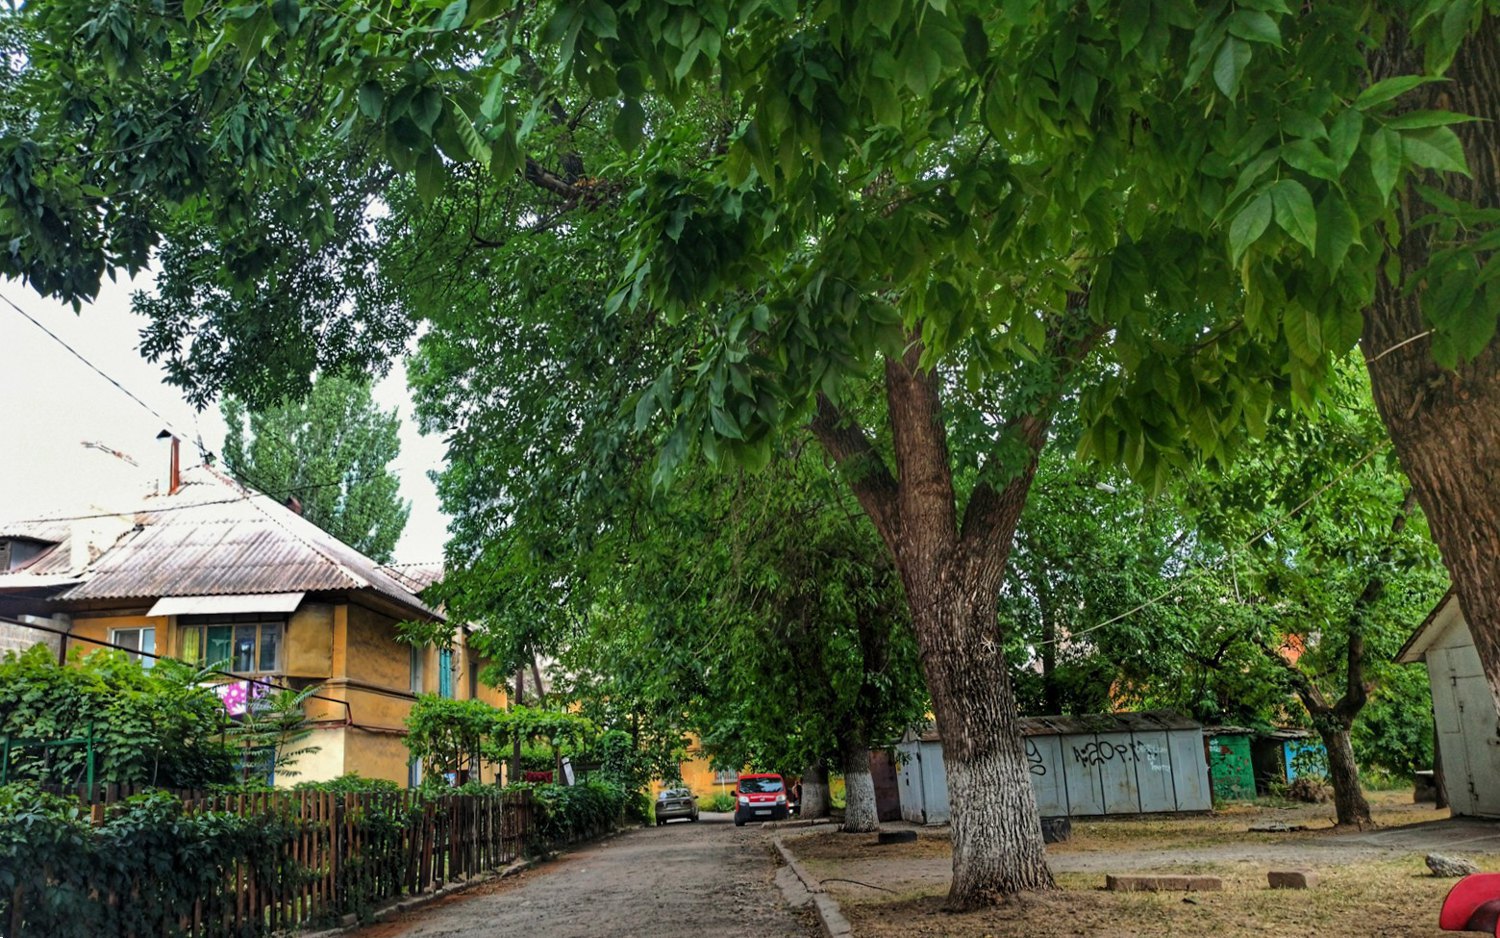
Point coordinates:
[(721, 801), (566, 813), (147, 849), (151, 727)]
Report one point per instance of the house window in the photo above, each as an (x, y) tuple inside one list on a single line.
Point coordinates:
[(414, 773), (137, 641), (445, 672), (242, 644), (417, 678)]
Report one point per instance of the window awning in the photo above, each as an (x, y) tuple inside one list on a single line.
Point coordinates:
[(220, 605)]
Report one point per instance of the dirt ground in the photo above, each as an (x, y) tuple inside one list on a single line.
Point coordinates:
[(684, 880), (1372, 883)]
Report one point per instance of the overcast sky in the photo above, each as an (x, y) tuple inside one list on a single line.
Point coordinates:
[(57, 418)]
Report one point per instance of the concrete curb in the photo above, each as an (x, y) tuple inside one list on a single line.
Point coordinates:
[(830, 916)]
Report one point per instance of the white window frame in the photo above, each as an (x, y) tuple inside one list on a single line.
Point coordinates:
[(145, 659)]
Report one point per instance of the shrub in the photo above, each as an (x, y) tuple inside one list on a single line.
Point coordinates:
[(147, 849), (154, 726), (566, 813), (721, 801)]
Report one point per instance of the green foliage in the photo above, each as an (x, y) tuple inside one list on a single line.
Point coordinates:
[(450, 736), (1394, 733), (720, 801), (577, 812), (332, 451), (158, 726), (147, 849), (272, 734)]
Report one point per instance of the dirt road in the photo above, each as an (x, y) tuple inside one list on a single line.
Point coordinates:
[(684, 880)]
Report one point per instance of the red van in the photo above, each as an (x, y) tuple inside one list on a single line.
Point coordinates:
[(760, 797)]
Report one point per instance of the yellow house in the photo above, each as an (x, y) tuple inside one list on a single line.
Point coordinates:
[(212, 572)]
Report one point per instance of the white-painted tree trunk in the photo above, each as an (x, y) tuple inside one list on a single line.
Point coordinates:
[(815, 801), (860, 815)]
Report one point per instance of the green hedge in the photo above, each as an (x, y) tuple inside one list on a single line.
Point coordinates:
[(147, 849)]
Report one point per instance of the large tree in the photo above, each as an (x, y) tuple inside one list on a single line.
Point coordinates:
[(332, 452), (1203, 195)]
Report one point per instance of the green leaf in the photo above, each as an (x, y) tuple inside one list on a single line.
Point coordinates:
[(1384, 150), (452, 16), (1249, 224), (1304, 334), (288, 15), (1308, 157), (191, 9), (425, 107), (1229, 67), (371, 99), (1255, 26), (1337, 230), (1413, 120), (630, 124), (1389, 89), (883, 14), (1435, 148), (1295, 213), (1343, 137)]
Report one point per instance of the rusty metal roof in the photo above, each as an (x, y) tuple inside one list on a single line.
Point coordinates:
[(1087, 725), (216, 537)]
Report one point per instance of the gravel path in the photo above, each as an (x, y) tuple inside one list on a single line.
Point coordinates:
[(684, 880)]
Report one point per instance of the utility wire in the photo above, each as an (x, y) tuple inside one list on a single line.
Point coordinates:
[(265, 490), (1208, 568), (93, 367)]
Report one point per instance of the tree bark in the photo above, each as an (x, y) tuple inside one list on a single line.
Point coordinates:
[(1350, 806), (815, 801), (952, 572), (860, 815), (1443, 423)]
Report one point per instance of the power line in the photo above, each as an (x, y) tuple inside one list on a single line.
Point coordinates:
[(203, 452), (91, 366), (1208, 568)]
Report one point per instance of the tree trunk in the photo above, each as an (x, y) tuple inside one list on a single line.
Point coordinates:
[(1443, 423), (515, 748), (997, 836), (860, 815), (815, 790), (952, 566), (1349, 801)]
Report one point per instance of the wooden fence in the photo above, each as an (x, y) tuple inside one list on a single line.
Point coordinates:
[(342, 854)]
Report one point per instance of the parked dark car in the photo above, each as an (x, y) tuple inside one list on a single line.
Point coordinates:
[(676, 802), (761, 797)]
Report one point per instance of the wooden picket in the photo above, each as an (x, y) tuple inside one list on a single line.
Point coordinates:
[(344, 861)]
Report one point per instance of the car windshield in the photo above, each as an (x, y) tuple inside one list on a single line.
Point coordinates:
[(674, 793), (761, 786)]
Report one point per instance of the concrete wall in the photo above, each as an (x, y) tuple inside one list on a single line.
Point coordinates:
[(19, 638)]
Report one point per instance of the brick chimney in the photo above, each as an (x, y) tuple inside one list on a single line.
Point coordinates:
[(174, 462)]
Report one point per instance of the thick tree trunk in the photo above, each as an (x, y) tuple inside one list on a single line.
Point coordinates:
[(860, 815), (951, 566), (815, 801), (1349, 802), (997, 838), (1444, 423)]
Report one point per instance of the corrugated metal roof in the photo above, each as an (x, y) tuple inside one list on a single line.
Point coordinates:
[(1087, 725), (216, 537)]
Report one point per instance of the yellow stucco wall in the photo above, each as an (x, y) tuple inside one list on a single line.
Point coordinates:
[(308, 650), (353, 653)]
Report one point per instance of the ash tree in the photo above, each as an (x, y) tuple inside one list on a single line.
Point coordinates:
[(332, 452), (1211, 201)]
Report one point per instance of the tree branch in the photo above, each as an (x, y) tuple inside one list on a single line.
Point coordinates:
[(865, 470), (1356, 688), (920, 441), (1069, 341)]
